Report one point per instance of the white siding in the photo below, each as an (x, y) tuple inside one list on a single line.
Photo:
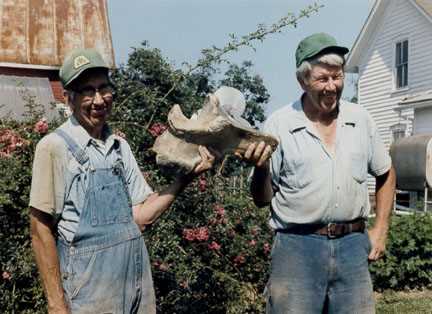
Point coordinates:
[(401, 20), (376, 87), (422, 120)]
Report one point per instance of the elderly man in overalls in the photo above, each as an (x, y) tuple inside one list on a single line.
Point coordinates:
[(89, 201)]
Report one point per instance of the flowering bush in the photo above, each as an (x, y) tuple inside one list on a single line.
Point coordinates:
[(214, 248), (19, 285)]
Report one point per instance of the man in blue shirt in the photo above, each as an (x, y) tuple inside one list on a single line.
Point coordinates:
[(316, 184)]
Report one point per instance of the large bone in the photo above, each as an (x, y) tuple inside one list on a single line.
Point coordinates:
[(213, 127)]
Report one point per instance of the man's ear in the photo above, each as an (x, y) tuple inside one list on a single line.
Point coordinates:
[(69, 101), (302, 83)]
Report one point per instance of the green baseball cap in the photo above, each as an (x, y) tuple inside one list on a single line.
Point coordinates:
[(316, 43), (77, 62)]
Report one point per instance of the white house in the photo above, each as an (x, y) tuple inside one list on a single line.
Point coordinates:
[(393, 58)]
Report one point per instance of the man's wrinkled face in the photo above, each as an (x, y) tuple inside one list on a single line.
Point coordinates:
[(92, 101), (324, 87)]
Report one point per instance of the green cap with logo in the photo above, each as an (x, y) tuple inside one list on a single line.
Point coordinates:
[(315, 44), (77, 62)]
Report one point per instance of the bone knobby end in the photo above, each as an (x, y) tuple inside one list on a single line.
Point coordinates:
[(212, 126)]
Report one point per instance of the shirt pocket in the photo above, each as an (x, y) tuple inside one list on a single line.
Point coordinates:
[(359, 167), (297, 173)]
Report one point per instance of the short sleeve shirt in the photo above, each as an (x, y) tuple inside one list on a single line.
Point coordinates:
[(53, 165), (312, 186)]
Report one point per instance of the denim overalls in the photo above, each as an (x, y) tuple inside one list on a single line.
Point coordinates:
[(105, 269)]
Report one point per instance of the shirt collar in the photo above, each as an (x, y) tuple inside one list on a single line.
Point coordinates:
[(300, 120), (83, 139)]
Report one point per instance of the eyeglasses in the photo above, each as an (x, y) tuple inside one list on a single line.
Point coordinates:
[(105, 90)]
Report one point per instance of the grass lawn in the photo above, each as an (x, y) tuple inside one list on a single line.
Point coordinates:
[(418, 302)]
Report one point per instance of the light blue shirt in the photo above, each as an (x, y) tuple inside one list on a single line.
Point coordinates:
[(312, 186), (55, 169)]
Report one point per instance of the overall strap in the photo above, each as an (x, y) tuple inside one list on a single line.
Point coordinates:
[(79, 154)]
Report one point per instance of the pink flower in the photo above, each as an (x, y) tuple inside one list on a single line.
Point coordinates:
[(214, 246), (157, 129), (41, 126), (239, 260), (219, 210), (189, 234), (267, 248), (199, 234), (202, 184), (9, 142), (5, 155), (6, 275), (120, 133), (202, 234), (252, 242)]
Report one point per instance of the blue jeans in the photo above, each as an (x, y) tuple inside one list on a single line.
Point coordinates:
[(314, 274)]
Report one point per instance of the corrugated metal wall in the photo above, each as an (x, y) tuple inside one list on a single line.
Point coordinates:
[(41, 32)]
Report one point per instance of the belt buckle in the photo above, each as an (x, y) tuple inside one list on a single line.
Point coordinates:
[(331, 228)]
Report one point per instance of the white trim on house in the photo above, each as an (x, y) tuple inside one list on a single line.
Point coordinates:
[(365, 35), (368, 31), (414, 3)]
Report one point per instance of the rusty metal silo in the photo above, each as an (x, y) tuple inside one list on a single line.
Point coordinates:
[(41, 32)]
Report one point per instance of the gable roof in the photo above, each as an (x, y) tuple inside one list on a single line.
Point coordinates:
[(425, 5), (38, 34), (369, 29)]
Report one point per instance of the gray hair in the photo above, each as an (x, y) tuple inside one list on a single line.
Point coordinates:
[(332, 59)]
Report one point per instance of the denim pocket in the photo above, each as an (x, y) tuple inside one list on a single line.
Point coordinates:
[(81, 268), (359, 167), (112, 198)]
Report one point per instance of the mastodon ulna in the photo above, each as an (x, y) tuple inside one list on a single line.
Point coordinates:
[(177, 147)]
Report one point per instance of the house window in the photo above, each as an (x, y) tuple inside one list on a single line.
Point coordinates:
[(401, 64)]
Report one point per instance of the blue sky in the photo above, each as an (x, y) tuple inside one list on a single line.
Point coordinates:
[(180, 29)]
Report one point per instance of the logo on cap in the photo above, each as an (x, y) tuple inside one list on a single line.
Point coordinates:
[(80, 61)]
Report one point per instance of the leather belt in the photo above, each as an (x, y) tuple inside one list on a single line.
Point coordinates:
[(331, 230)]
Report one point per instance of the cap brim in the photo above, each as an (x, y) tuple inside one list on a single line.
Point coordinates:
[(337, 49), (81, 71)]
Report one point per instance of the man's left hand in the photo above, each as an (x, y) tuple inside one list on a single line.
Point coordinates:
[(378, 238)]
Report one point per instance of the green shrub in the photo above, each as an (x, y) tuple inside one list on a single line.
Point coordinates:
[(407, 263)]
